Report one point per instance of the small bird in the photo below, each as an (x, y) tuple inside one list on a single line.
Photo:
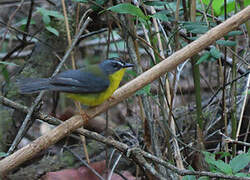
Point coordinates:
[(91, 85)]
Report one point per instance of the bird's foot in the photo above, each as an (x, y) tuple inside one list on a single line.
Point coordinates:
[(84, 115)]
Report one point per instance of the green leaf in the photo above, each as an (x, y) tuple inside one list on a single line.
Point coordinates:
[(226, 42), (3, 154), (212, 58), (8, 63), (164, 15), (5, 73), (195, 27), (126, 8), (209, 157), (196, 24), (189, 177), (203, 178), (246, 3), (222, 154), (131, 72), (241, 174), (206, 2), (55, 14), (81, 1), (200, 30), (223, 167), (239, 162), (191, 26), (155, 3), (99, 3), (24, 21), (145, 90), (220, 165), (160, 16), (230, 6), (52, 30), (51, 13), (234, 33), (217, 6), (203, 58), (46, 14), (46, 19), (215, 52)]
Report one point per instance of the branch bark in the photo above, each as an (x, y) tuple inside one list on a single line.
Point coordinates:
[(43, 142)]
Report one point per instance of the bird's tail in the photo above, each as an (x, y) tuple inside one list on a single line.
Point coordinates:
[(30, 85)]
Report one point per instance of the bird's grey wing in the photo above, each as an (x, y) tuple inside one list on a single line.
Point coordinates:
[(78, 81)]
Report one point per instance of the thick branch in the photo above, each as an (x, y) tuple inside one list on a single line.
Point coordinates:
[(125, 91)]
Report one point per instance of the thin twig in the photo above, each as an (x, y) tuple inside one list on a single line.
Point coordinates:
[(245, 94), (230, 140), (28, 20), (114, 166), (216, 93), (142, 161), (85, 164), (24, 127), (68, 32)]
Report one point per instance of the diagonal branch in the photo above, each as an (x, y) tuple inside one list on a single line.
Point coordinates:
[(125, 91)]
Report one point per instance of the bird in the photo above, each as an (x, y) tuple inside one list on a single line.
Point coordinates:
[(90, 85)]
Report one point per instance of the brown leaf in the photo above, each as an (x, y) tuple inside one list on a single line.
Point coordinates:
[(84, 173)]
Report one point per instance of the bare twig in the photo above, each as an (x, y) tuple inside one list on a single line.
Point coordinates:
[(216, 93), (230, 140), (245, 94), (16, 55), (142, 161), (114, 166), (28, 20)]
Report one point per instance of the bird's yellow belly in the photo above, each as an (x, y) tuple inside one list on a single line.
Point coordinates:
[(94, 99)]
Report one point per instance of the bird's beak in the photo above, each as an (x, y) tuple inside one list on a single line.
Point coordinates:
[(126, 65)]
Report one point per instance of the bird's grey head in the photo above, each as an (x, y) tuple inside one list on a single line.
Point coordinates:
[(110, 66)]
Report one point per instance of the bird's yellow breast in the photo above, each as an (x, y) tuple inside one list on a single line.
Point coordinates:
[(94, 99)]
